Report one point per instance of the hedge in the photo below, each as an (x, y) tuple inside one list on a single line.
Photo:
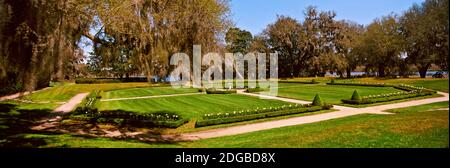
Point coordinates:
[(385, 99), (220, 91), (361, 84), (134, 122), (108, 80), (301, 82), (203, 123), (257, 89)]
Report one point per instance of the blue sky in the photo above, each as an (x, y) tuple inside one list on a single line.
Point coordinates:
[(255, 15)]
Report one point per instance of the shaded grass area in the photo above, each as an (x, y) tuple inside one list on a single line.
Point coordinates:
[(329, 93), (193, 106), (150, 91), (16, 118)]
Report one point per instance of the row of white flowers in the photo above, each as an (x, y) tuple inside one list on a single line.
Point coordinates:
[(413, 89), (254, 111)]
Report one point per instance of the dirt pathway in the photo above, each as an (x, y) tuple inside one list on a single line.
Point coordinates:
[(73, 102)]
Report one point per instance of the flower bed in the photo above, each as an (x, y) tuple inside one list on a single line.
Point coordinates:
[(239, 116)]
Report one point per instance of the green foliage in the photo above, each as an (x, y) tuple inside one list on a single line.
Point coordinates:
[(355, 95), (317, 101)]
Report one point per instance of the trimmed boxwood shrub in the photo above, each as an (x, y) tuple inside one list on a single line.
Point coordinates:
[(356, 96), (208, 122), (317, 101)]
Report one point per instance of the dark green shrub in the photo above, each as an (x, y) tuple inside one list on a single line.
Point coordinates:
[(355, 95), (317, 101)]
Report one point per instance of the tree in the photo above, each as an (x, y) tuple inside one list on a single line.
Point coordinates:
[(33, 33), (238, 40), (381, 45), (284, 37), (425, 29)]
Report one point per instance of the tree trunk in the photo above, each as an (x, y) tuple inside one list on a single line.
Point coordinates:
[(349, 72), (423, 71), (381, 71)]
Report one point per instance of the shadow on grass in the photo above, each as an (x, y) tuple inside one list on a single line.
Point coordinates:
[(16, 124)]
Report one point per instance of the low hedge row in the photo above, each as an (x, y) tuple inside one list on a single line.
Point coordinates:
[(385, 99), (258, 89), (203, 123), (108, 80), (301, 82), (361, 84), (94, 80), (220, 91), (130, 121)]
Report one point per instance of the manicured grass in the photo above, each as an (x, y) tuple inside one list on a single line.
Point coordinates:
[(411, 127), (150, 91), (63, 92), (430, 83), (414, 127), (329, 93), (193, 106)]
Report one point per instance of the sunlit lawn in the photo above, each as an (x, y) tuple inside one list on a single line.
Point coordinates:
[(422, 126), (150, 91), (192, 106), (329, 93)]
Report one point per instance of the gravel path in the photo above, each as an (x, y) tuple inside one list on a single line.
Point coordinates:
[(73, 102)]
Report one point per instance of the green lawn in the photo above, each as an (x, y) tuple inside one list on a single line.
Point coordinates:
[(63, 92), (435, 84), (414, 127), (329, 93), (193, 106), (411, 127), (150, 91), (430, 83)]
